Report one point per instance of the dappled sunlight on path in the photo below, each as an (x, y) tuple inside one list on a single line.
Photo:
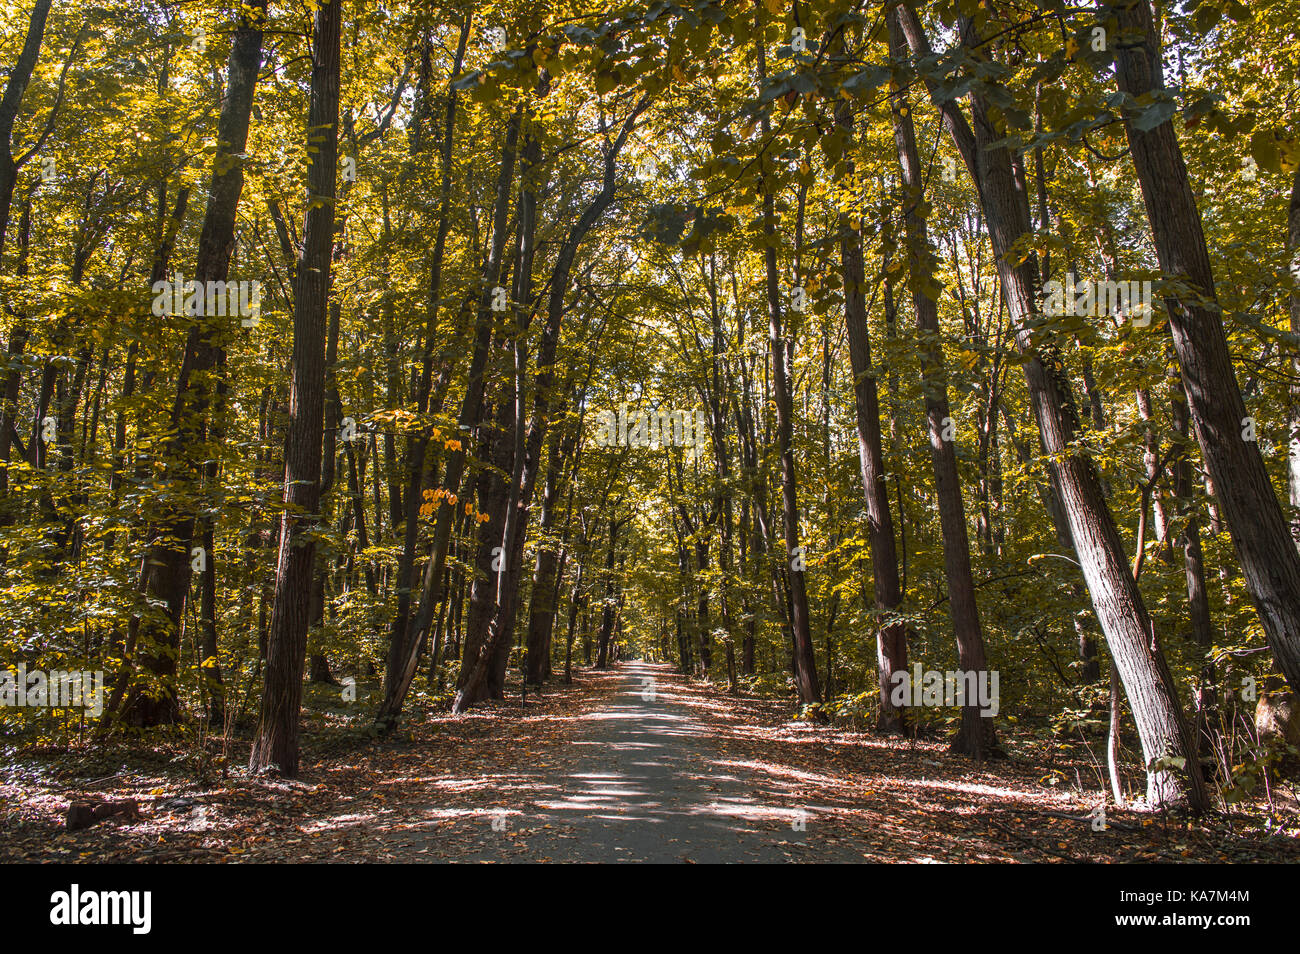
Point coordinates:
[(644, 766), (638, 764)]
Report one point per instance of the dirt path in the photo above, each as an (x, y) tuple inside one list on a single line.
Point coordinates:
[(634, 764), (648, 777)]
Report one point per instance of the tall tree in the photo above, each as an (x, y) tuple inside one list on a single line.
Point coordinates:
[(165, 568), (891, 630), (1260, 535), (805, 662), (1118, 602), (976, 736), (19, 78), (276, 743)]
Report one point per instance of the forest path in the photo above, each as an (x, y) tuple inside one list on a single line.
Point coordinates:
[(635, 763), (639, 764), (649, 776)]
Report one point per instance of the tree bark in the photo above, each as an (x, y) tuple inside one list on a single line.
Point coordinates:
[(417, 446), (404, 649), (805, 661), (276, 743), (528, 450), (166, 565), (19, 78), (19, 334), (607, 613), (976, 736), (541, 611), (1118, 602), (1293, 411), (891, 633), (1260, 535)]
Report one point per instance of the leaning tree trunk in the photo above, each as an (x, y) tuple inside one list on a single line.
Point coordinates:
[(19, 334), (166, 564), (1123, 616), (276, 742), (521, 468), (19, 77), (1260, 536), (399, 664), (404, 650), (492, 659)]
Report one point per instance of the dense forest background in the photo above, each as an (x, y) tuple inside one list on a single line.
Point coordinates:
[(792, 343)]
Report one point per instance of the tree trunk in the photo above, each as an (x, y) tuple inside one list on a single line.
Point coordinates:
[(976, 737), (541, 611), (1293, 411), (1118, 602), (608, 604), (276, 743), (210, 658), (166, 565), (12, 101), (1198, 597), (404, 649), (527, 449), (19, 335), (891, 633), (1268, 556), (805, 660)]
